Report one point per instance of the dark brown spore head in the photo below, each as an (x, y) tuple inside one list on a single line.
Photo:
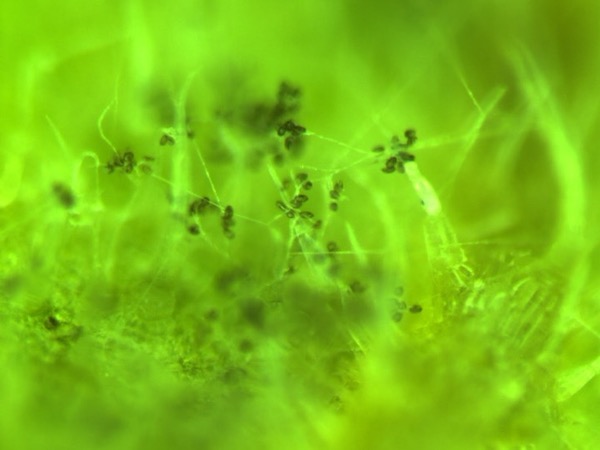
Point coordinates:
[(228, 212), (51, 322), (166, 139), (300, 177), (64, 195), (415, 309), (406, 157), (411, 136)]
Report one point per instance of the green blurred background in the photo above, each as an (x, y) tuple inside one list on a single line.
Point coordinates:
[(121, 328)]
